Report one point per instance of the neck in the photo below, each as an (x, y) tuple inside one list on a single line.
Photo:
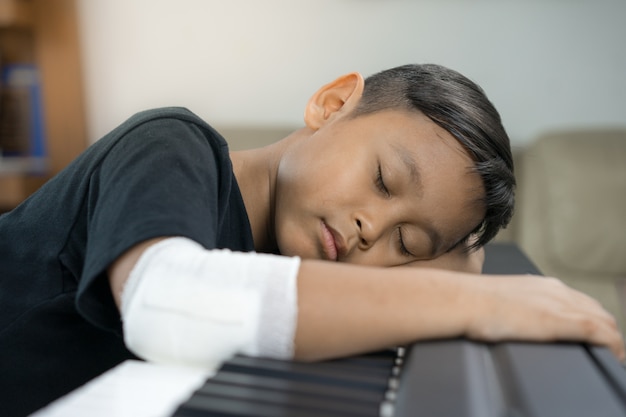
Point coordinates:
[(256, 171)]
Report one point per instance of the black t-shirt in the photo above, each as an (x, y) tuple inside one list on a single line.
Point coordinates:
[(162, 173)]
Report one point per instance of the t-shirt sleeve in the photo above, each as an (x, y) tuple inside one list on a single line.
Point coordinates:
[(161, 179)]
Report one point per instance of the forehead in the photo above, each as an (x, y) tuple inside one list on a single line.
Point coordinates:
[(410, 134)]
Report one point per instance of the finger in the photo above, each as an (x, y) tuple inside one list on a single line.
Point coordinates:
[(599, 326), (593, 327)]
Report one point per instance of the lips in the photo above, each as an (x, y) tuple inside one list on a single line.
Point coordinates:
[(331, 242)]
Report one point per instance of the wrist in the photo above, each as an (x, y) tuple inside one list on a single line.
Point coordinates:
[(481, 308)]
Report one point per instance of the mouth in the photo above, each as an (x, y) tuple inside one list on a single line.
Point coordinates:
[(329, 243)]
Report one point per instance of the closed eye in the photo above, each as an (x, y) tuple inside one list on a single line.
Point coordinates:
[(380, 183), (403, 250)]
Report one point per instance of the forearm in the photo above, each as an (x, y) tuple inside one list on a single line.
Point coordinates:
[(346, 309)]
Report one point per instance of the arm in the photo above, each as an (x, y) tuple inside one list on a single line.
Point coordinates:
[(345, 309)]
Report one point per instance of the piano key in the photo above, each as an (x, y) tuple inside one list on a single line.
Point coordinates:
[(347, 387), (344, 393), (198, 406), (319, 372), (323, 405), (131, 389)]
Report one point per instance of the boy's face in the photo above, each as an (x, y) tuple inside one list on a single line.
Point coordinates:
[(383, 189)]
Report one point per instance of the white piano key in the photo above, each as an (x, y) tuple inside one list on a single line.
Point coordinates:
[(131, 389)]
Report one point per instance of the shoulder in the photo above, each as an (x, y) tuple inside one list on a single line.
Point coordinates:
[(171, 120), (166, 132), (172, 113), (153, 131)]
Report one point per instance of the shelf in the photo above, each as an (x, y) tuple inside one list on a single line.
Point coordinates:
[(21, 165), (44, 33), (16, 13)]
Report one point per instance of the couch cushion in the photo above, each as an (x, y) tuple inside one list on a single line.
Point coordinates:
[(585, 195)]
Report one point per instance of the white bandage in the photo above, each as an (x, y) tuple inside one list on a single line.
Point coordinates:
[(186, 305)]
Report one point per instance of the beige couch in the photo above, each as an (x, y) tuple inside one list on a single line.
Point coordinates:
[(571, 211)]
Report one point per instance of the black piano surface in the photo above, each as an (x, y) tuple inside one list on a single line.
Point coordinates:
[(444, 378)]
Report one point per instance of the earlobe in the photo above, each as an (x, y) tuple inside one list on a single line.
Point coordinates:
[(338, 97)]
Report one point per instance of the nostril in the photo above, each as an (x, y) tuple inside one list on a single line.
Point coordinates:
[(363, 242), (358, 223)]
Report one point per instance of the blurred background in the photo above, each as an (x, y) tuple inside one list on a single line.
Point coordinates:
[(555, 69), (544, 63)]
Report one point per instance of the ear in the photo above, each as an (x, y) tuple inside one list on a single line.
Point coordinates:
[(338, 97)]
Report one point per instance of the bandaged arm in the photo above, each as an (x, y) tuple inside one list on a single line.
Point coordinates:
[(186, 305), (344, 309)]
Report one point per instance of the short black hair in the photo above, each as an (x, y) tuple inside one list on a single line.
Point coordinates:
[(462, 108)]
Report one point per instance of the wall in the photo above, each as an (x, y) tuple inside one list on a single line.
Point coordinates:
[(544, 63)]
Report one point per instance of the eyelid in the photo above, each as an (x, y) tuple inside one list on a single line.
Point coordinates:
[(403, 250), (380, 183)]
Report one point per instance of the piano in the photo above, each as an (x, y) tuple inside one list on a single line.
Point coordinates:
[(447, 378)]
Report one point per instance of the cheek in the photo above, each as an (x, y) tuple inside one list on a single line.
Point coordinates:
[(293, 218), (320, 184), (290, 233)]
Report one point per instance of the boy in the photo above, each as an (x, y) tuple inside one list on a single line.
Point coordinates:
[(155, 223)]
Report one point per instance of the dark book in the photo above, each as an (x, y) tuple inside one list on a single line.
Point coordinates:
[(22, 133)]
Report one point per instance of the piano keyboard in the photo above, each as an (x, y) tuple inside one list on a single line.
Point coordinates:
[(360, 386), (452, 378)]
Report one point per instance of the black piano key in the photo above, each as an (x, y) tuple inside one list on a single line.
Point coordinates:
[(343, 393), (265, 387), (318, 372), (201, 406), (323, 405), (370, 365), (382, 359)]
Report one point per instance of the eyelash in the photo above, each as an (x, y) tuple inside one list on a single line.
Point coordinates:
[(403, 249), (380, 183)]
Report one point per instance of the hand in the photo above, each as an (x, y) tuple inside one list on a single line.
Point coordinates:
[(540, 309)]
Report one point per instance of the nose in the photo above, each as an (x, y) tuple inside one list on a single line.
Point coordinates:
[(368, 229)]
